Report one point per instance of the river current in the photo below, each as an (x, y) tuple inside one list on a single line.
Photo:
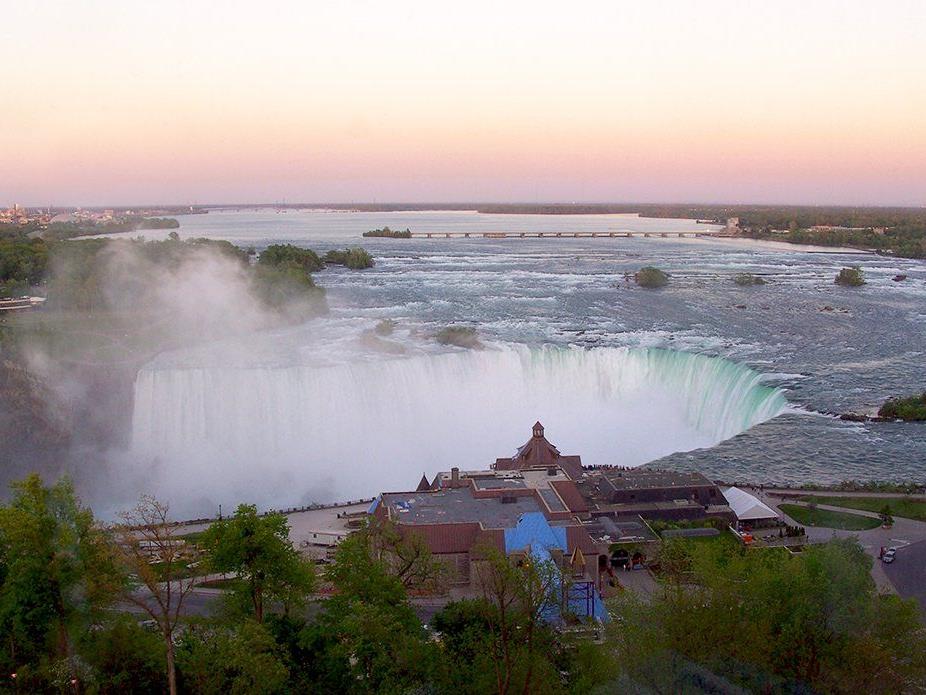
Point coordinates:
[(702, 374)]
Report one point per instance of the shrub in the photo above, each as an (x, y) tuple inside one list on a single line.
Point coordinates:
[(911, 408), (851, 277), (354, 258), (651, 277), (279, 255), (748, 279), (460, 336), (385, 327)]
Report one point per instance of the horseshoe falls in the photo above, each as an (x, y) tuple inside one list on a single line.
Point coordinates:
[(284, 435)]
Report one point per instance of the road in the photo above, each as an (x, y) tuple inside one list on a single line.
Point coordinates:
[(908, 573), (207, 602)]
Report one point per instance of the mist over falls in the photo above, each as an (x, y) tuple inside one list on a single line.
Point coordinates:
[(282, 435)]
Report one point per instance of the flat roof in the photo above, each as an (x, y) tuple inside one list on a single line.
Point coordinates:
[(642, 479), (499, 483), (633, 508), (620, 530), (457, 505)]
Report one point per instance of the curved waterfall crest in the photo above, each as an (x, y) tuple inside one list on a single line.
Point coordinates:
[(300, 433)]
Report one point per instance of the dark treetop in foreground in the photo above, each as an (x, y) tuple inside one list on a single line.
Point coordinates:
[(807, 623)]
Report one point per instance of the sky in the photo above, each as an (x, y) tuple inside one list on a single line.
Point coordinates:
[(123, 103)]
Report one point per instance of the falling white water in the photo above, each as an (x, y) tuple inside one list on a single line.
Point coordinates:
[(278, 436)]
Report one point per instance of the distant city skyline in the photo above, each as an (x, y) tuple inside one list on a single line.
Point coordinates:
[(113, 104)]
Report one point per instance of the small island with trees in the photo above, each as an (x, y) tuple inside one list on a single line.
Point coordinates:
[(850, 277), (459, 336), (354, 258), (748, 279), (651, 278), (911, 408), (386, 233)]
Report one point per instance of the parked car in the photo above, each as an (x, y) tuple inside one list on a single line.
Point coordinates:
[(888, 556)]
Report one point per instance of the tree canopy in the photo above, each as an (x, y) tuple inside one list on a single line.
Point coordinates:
[(257, 551)]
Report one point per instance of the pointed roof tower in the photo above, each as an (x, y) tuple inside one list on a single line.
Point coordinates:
[(538, 452), (424, 485)]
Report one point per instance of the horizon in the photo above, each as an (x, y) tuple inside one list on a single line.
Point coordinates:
[(464, 205), (816, 105)]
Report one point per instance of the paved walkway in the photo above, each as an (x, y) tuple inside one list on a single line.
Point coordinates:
[(640, 582)]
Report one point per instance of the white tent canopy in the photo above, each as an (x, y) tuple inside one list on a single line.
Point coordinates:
[(746, 507)]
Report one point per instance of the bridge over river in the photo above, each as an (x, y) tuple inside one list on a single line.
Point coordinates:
[(569, 235)]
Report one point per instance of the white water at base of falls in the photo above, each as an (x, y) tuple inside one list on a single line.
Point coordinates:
[(280, 436)]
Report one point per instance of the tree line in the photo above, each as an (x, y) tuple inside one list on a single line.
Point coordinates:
[(104, 608)]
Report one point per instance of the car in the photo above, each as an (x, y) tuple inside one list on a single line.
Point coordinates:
[(887, 558)]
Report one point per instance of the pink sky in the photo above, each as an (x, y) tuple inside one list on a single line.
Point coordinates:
[(180, 102)]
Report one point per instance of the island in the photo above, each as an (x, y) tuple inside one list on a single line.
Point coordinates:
[(651, 278), (387, 233), (911, 408)]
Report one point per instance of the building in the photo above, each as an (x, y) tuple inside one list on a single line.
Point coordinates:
[(653, 494), (750, 511), (529, 504), (539, 501), (539, 453)]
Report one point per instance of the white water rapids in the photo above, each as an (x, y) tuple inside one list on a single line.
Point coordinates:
[(285, 435)]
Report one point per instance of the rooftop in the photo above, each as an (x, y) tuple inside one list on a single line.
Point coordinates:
[(628, 529), (538, 452), (649, 478), (457, 505)]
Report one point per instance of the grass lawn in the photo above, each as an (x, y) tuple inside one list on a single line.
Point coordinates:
[(723, 538), (829, 519), (906, 508)]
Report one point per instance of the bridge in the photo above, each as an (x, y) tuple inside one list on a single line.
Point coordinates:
[(567, 235)]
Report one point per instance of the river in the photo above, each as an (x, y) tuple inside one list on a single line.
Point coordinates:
[(702, 374)]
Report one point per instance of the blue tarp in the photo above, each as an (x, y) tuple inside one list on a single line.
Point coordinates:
[(534, 531)]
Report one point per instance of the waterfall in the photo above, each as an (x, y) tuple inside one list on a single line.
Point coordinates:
[(284, 435)]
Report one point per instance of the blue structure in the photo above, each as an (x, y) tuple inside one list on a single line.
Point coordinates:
[(534, 534)]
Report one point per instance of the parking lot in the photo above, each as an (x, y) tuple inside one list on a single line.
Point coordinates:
[(908, 572)]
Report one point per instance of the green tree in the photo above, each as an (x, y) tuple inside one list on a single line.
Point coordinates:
[(886, 515), (124, 657), (257, 550), (851, 277), (767, 621), (521, 594), (59, 573), (312, 655), (288, 255), (240, 659), (156, 559), (372, 623)]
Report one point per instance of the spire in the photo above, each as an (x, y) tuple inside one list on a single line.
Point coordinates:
[(424, 485), (538, 429)]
